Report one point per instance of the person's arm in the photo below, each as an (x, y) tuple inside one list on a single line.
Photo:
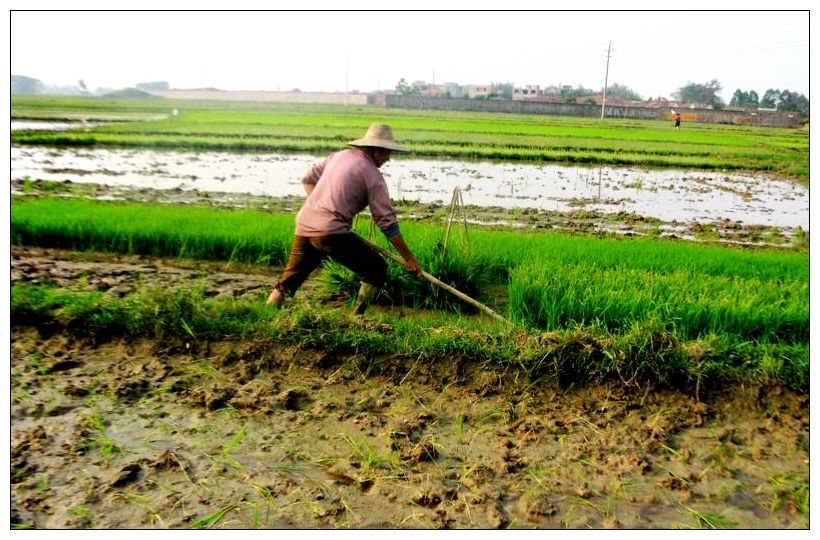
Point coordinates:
[(312, 176), (410, 262), (384, 216)]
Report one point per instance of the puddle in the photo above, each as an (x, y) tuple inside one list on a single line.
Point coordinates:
[(704, 197)]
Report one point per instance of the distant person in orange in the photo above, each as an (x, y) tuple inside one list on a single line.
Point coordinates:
[(677, 120)]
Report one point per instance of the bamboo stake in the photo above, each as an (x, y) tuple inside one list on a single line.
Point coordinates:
[(450, 221), (434, 280), (463, 215), (457, 202)]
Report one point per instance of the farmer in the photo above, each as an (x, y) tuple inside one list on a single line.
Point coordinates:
[(338, 188), (677, 120)]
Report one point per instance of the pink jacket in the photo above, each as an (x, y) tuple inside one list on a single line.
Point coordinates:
[(346, 182)]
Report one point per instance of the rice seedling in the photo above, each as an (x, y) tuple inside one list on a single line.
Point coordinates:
[(210, 521), (149, 230), (207, 370), (83, 513), (266, 492), (320, 128), (369, 456), (673, 452), (43, 482), (493, 257), (537, 480), (579, 355), (555, 296), (625, 303), (25, 526), (459, 429), (226, 458), (704, 520), (416, 520), (416, 401), (101, 440), (146, 504), (789, 489)]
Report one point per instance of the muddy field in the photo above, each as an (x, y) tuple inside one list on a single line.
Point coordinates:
[(232, 434)]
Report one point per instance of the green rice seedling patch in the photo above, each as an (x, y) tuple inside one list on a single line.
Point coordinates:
[(554, 281), (556, 296), (512, 137), (646, 351), (241, 236)]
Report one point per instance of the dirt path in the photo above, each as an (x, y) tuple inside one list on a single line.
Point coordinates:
[(125, 434)]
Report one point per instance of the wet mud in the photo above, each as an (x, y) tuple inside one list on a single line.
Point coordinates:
[(238, 434)]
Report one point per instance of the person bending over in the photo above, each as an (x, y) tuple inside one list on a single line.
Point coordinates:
[(338, 188)]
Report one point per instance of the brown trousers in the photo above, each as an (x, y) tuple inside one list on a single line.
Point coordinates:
[(347, 249)]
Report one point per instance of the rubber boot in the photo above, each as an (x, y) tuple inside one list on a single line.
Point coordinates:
[(367, 293)]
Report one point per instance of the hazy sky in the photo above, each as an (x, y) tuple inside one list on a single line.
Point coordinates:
[(654, 53)]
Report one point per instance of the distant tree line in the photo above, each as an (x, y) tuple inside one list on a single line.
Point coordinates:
[(23, 85), (695, 93), (707, 93), (782, 100)]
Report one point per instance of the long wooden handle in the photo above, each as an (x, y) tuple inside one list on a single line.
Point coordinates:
[(438, 282)]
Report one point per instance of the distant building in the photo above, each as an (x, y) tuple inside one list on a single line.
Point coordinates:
[(419, 85), (534, 93), (454, 90), (527, 92), (433, 91), (476, 90)]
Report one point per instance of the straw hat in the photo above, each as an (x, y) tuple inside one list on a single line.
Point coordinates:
[(380, 136)]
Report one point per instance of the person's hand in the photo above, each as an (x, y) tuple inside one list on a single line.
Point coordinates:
[(412, 266)]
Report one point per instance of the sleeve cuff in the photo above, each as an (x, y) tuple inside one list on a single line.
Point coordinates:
[(391, 231)]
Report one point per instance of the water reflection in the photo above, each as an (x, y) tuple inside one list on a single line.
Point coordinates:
[(20, 125), (663, 194)]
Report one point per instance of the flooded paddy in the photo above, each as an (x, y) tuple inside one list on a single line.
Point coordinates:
[(667, 195), (20, 125), (79, 121)]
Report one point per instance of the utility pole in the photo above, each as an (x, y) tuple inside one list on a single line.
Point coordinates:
[(606, 80), (347, 76)]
